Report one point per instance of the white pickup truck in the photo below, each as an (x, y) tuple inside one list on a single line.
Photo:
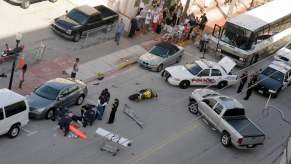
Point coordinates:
[(227, 115)]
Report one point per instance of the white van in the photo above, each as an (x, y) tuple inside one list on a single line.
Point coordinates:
[(13, 112)]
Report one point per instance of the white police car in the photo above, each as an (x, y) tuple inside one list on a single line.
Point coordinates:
[(202, 72), (274, 78), (284, 54)]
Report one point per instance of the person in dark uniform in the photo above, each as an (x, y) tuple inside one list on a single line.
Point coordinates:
[(133, 27), (251, 86), (64, 124), (243, 80), (113, 111)]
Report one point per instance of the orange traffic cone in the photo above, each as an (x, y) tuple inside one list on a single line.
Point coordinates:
[(21, 61)]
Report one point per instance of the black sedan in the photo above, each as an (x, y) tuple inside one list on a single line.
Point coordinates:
[(55, 93)]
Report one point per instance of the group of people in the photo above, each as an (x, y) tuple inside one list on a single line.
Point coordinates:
[(170, 20), (89, 113)]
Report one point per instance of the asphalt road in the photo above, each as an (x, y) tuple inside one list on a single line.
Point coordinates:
[(170, 135)]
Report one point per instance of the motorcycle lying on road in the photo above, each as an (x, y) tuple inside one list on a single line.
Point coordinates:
[(143, 95)]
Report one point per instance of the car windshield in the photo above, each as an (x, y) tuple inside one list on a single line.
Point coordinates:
[(288, 46), (193, 68), (159, 51), (47, 92), (273, 74), (78, 16)]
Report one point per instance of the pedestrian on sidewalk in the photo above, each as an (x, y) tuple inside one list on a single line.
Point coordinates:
[(204, 41), (75, 68), (21, 75), (133, 27), (203, 21), (243, 80), (101, 107), (119, 31), (251, 86), (113, 111)]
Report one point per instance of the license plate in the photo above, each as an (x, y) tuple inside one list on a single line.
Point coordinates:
[(260, 91)]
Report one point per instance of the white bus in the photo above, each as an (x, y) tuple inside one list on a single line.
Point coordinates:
[(254, 34)]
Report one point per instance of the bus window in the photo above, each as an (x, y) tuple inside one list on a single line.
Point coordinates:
[(237, 37)]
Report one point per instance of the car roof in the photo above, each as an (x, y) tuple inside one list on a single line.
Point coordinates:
[(206, 64), (228, 103), (88, 10), (168, 46), (280, 66), (8, 97), (60, 83)]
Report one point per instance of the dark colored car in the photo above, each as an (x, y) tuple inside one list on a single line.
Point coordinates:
[(55, 93), (83, 20), (26, 3), (275, 78)]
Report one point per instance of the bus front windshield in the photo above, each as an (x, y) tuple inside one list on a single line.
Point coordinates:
[(236, 36)]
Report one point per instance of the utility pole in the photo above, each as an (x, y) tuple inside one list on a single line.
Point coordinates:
[(18, 38)]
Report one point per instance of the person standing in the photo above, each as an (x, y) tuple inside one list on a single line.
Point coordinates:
[(148, 20), (119, 31), (203, 21), (101, 107), (21, 75), (75, 68), (106, 94), (133, 27), (204, 42), (113, 111), (243, 80), (251, 86)]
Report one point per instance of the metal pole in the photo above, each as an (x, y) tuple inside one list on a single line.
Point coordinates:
[(13, 65)]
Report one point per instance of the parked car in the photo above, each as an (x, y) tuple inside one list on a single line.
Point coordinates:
[(84, 20), (160, 56), (284, 53), (26, 3), (275, 78), (202, 72), (13, 112), (53, 94), (227, 115)]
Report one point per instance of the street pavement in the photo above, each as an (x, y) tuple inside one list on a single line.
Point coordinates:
[(170, 135)]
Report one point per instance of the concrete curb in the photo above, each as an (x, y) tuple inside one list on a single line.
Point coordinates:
[(108, 64)]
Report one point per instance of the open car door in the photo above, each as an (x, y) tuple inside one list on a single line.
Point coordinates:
[(227, 64)]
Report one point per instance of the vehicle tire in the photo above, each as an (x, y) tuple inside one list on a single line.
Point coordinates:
[(225, 139), (193, 107), (160, 67), (53, 1), (222, 84), (276, 94), (80, 100), (14, 131), (184, 84), (25, 4), (77, 37), (49, 114)]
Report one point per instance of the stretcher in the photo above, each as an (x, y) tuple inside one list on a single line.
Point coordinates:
[(112, 142)]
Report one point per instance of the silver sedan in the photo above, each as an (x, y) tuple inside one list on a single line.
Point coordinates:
[(53, 94), (160, 56)]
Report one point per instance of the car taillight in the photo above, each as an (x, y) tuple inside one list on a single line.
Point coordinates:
[(239, 141)]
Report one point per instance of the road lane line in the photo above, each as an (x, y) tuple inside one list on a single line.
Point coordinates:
[(165, 142), (29, 133)]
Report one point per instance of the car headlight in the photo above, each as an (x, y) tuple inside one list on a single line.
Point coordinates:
[(242, 59), (38, 110), (272, 91), (69, 31)]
